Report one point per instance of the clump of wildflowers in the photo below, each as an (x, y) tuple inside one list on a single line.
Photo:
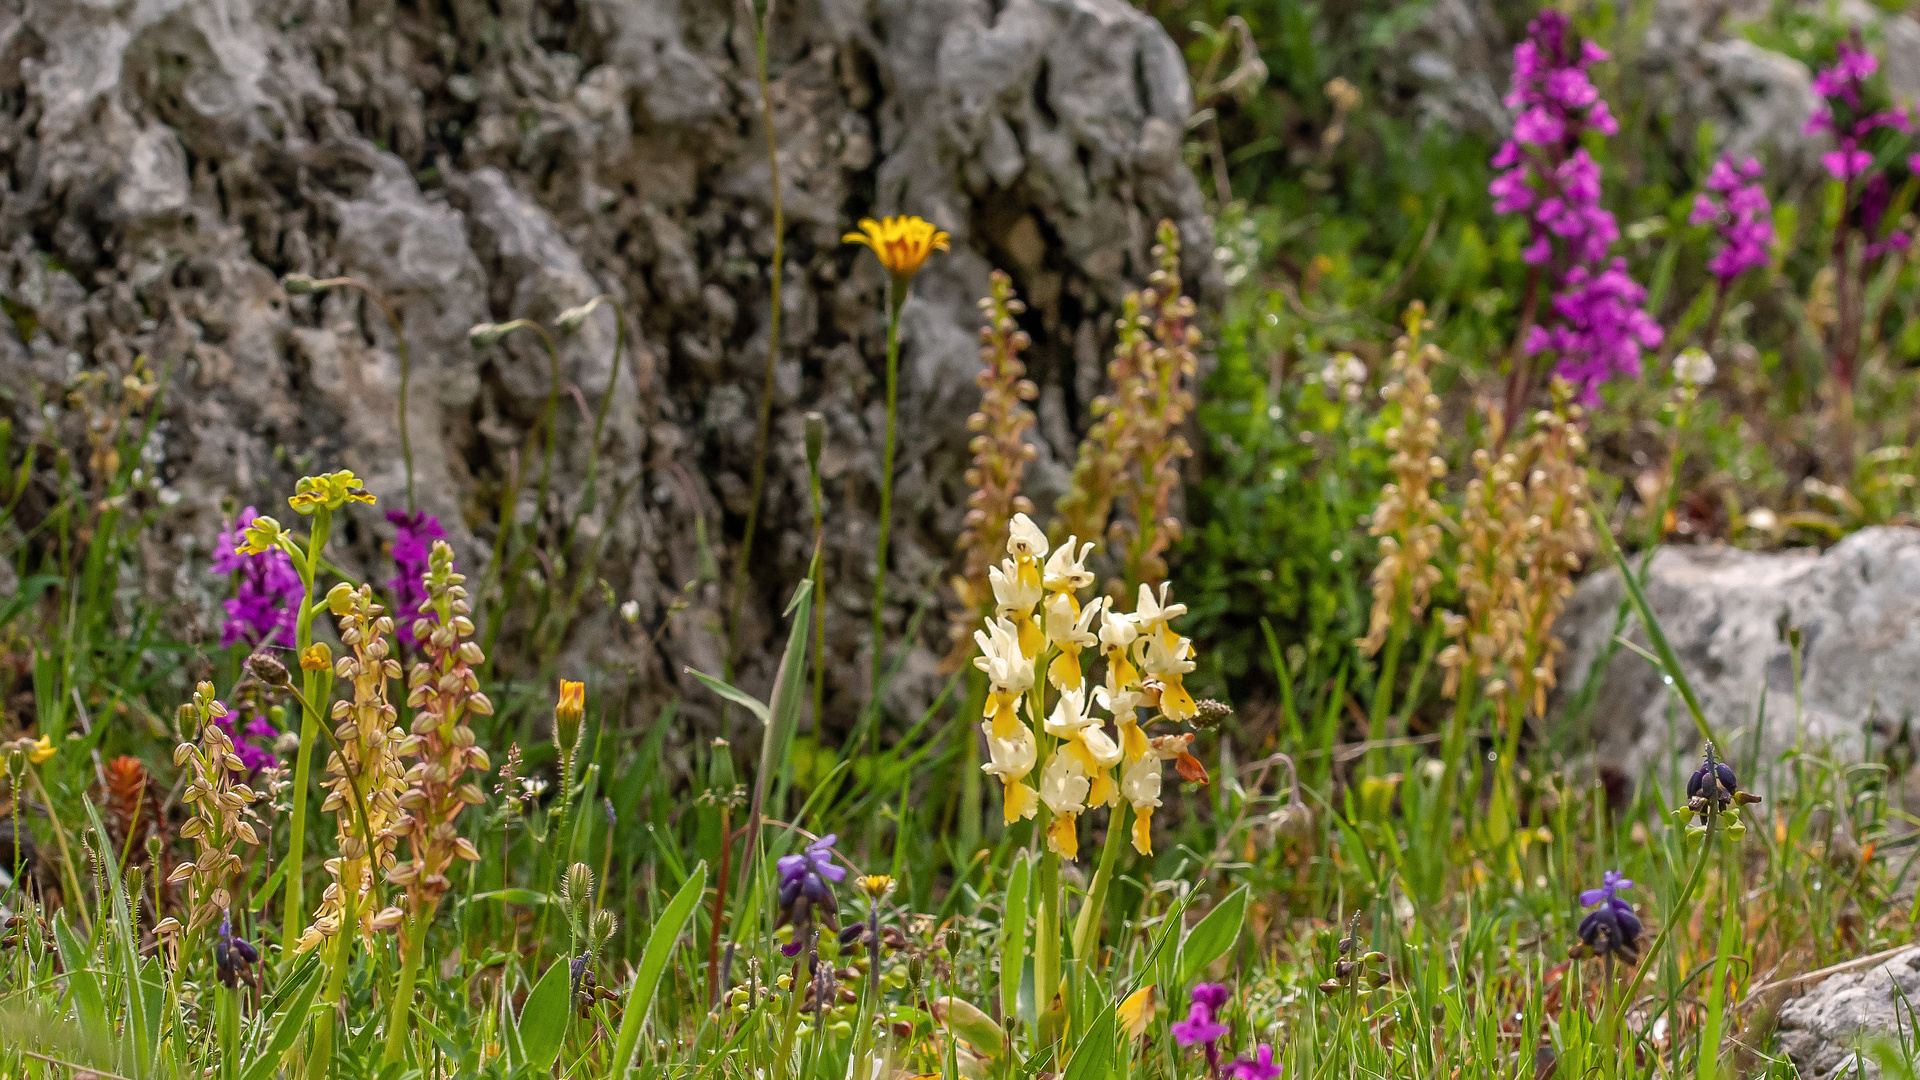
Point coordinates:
[(364, 776), (222, 809), (445, 692), (1612, 929), (1038, 612), (1407, 518), (266, 592), (1558, 536), (806, 891), (414, 534), (1595, 326), (1000, 452), (1492, 531), (1132, 455)]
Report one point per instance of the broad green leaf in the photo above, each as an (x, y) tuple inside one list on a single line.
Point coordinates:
[(967, 1021), (1213, 935), (653, 962), (1093, 1058), (289, 1026), (543, 1022)]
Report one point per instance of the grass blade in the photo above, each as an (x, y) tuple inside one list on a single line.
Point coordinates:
[(653, 963)]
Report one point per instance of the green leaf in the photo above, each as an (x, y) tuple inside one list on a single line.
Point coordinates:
[(289, 1026), (653, 962), (1093, 1058), (739, 697), (1658, 638), (543, 1022), (1013, 938), (967, 1021), (1213, 935)]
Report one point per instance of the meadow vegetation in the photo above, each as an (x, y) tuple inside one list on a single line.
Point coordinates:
[(1258, 757)]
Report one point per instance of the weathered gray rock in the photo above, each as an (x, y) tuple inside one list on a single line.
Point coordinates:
[(1727, 614), (1823, 1030), (167, 162)]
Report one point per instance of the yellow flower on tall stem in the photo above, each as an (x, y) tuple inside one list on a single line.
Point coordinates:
[(902, 244)]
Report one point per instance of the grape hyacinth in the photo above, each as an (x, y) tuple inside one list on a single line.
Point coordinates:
[(1612, 929), (1595, 325), (413, 539), (267, 590), (806, 889), (1736, 204)]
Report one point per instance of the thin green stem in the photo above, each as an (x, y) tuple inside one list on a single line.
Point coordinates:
[(310, 721), (1723, 956), (896, 299), (397, 1018)]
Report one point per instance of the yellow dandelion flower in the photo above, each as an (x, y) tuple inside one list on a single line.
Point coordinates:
[(902, 244)]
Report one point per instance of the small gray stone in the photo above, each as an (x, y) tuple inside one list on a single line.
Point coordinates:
[(1823, 1029)]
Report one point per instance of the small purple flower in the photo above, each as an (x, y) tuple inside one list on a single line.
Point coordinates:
[(806, 890), (1613, 928), (1737, 205), (1611, 882), (233, 956), (1198, 1027), (1258, 1067), (1201, 1027), (267, 590), (414, 534)]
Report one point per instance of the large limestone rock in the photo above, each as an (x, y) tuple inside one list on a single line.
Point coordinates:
[(166, 162), (1728, 614), (1824, 1030)]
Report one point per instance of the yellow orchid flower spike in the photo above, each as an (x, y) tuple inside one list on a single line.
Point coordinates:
[(902, 244)]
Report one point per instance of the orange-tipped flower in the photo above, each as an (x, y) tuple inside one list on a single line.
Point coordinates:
[(566, 716), (901, 243), (573, 700)]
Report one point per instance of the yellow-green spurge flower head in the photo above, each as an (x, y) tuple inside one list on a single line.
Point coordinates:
[(330, 490)]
